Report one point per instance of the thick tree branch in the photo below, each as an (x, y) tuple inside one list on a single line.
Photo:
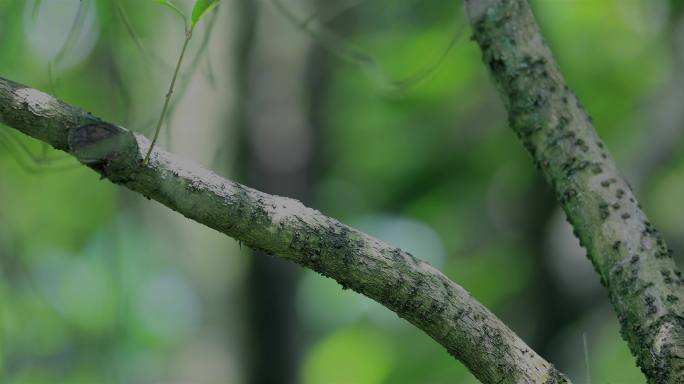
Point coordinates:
[(280, 226), (630, 256)]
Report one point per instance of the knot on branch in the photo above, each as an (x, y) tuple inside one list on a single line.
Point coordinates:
[(110, 150), (667, 345)]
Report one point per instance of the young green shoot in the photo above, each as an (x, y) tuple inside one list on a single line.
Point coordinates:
[(199, 10)]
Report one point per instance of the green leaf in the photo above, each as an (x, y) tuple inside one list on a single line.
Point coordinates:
[(174, 8), (201, 8)]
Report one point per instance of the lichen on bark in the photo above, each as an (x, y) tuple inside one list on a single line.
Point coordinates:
[(630, 256)]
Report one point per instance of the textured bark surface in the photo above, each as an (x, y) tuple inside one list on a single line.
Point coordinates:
[(281, 226), (633, 261)]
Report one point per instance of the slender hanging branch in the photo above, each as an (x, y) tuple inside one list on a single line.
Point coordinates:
[(630, 256), (167, 98), (284, 227), (199, 11)]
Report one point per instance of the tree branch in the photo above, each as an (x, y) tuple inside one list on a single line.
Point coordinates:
[(280, 226), (633, 261)]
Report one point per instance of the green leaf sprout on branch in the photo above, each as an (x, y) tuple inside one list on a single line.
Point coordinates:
[(199, 10)]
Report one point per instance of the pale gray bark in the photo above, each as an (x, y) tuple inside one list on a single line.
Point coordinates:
[(632, 259), (284, 227)]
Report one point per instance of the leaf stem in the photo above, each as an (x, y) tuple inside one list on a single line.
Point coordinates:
[(188, 36)]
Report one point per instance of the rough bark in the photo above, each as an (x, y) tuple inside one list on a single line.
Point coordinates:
[(631, 257), (281, 226)]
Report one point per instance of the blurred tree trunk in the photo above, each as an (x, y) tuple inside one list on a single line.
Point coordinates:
[(277, 138)]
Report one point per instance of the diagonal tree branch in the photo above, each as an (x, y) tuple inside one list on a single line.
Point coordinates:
[(280, 226), (630, 256)]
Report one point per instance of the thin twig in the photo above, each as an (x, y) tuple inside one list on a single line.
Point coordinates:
[(188, 36)]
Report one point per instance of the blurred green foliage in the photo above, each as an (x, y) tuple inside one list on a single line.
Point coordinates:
[(101, 286)]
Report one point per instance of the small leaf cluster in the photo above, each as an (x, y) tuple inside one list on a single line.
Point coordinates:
[(199, 10)]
